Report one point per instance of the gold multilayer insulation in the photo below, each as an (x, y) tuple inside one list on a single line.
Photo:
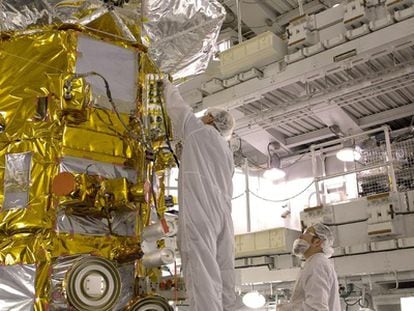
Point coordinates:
[(39, 127)]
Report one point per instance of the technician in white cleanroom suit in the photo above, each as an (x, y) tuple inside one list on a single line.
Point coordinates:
[(205, 231), (316, 288)]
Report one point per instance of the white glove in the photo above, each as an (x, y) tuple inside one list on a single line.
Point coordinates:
[(177, 108), (171, 94), (166, 83)]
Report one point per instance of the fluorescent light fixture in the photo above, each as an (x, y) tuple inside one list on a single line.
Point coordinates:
[(407, 303), (274, 174), (200, 113), (348, 154), (254, 300)]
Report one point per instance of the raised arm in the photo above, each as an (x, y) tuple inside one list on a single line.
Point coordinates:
[(182, 117)]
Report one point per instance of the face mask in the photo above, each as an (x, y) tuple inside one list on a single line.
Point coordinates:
[(300, 247)]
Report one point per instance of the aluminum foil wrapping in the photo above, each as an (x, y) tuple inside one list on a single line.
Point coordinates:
[(122, 224), (157, 231), (92, 14), (182, 33), (16, 180), (107, 170), (26, 204), (29, 249), (127, 272), (58, 272), (158, 258), (17, 287), (153, 232), (19, 14), (42, 248), (81, 224)]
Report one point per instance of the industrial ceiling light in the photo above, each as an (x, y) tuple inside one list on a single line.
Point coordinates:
[(254, 300), (274, 172), (349, 153)]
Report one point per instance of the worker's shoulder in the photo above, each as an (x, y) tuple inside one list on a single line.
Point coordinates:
[(320, 261), (208, 135)]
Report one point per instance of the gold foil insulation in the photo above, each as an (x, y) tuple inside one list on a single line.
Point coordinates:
[(48, 115)]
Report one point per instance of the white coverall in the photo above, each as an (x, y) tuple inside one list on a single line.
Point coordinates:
[(316, 288), (205, 230)]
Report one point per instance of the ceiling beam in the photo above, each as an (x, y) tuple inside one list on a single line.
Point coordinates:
[(387, 116), (308, 138), (331, 114), (308, 8), (364, 122), (280, 138), (275, 78), (259, 138)]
